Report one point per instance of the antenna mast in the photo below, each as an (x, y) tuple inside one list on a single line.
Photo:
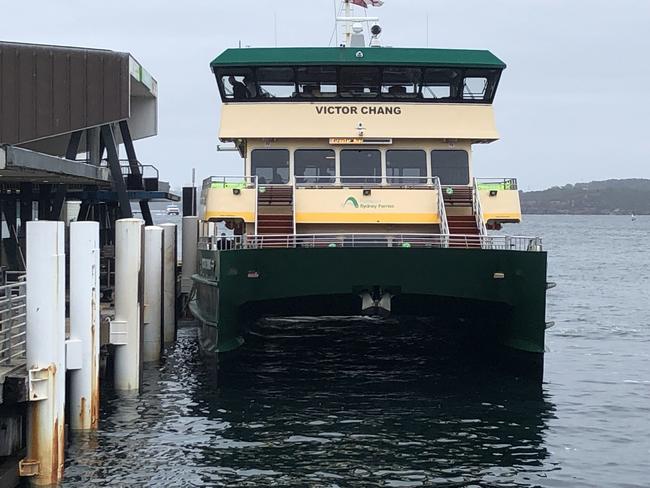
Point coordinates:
[(349, 20)]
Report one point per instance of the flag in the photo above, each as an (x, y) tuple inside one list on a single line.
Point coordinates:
[(367, 3)]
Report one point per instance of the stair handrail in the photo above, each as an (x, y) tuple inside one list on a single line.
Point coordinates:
[(478, 211), (293, 204), (257, 195), (442, 212)]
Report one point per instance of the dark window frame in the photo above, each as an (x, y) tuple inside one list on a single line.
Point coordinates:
[(361, 179), (434, 173), (492, 74), (327, 178), (422, 179), (275, 149)]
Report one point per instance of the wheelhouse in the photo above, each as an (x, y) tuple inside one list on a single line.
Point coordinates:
[(350, 74)]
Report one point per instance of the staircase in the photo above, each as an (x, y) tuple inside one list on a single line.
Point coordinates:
[(275, 210), (461, 221)]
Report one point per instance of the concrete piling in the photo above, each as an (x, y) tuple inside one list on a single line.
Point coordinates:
[(126, 329), (45, 335), (84, 324), (169, 282), (153, 263)]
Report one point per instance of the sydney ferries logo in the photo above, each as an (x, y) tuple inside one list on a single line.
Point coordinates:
[(352, 202)]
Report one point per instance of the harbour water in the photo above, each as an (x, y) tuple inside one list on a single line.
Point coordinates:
[(361, 403)]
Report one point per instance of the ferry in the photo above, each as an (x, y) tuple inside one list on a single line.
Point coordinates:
[(359, 196)]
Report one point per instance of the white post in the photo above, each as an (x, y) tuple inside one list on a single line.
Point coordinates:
[(169, 282), (126, 329), (189, 250), (153, 262), (348, 24), (45, 351), (84, 324)]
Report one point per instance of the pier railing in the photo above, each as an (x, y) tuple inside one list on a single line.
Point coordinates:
[(494, 242), (496, 183), (13, 312)]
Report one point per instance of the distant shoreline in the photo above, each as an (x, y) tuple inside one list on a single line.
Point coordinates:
[(610, 197)]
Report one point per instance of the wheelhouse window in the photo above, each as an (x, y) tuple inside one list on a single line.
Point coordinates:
[(237, 84), (313, 166), (441, 84), (317, 82), (401, 82), (406, 167), (359, 82), (480, 85), (451, 166), (276, 82), (360, 166), (270, 166)]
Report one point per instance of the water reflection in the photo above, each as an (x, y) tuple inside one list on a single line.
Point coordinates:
[(316, 403)]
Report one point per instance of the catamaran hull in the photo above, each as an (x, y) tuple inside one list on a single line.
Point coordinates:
[(502, 294)]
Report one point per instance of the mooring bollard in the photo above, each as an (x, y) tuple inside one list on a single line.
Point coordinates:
[(189, 251), (83, 346), (153, 290), (45, 338), (126, 329), (169, 282)]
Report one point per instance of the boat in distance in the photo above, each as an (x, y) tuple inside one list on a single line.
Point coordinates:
[(359, 196)]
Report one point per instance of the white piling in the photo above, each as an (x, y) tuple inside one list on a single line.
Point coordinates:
[(153, 262), (169, 282), (189, 251), (84, 324), (45, 352), (126, 329)]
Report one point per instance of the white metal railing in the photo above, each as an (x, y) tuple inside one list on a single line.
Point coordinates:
[(257, 203), (495, 242), (365, 181), (477, 209), (293, 204), (497, 183), (13, 313), (230, 182), (442, 211)]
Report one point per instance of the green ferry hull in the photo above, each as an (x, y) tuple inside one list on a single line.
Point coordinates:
[(505, 291)]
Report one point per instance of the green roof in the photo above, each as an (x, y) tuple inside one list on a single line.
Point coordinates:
[(337, 56)]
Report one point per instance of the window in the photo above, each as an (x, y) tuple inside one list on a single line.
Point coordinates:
[(451, 166), (237, 85), (360, 82), (401, 82), (317, 82), (441, 84), (475, 88), (360, 166), (271, 166), (314, 165), (276, 82), (406, 167)]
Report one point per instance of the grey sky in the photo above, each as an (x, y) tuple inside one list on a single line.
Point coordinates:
[(573, 104)]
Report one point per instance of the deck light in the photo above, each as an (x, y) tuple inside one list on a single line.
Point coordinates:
[(493, 193), (367, 192), (236, 191)]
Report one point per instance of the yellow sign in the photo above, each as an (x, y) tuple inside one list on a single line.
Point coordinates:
[(346, 140)]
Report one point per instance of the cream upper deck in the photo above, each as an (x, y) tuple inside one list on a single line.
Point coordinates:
[(471, 122)]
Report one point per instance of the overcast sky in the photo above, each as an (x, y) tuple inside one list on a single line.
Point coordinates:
[(573, 104)]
